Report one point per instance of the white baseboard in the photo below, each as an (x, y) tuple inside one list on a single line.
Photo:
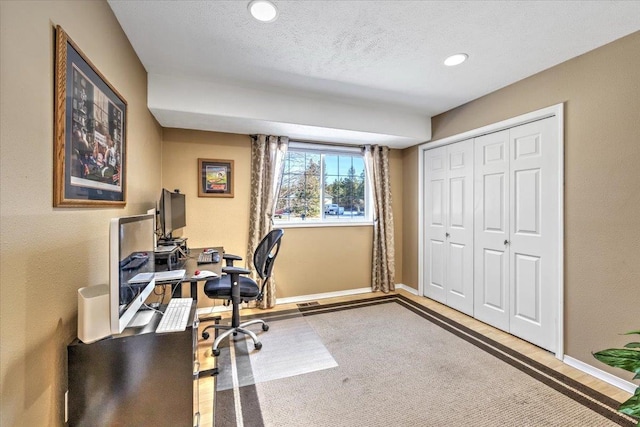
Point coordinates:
[(204, 311), (625, 385), (303, 298), (407, 288)]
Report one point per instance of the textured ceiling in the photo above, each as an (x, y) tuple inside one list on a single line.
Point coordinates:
[(386, 54)]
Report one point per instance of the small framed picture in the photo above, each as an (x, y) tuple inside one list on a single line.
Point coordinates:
[(216, 178)]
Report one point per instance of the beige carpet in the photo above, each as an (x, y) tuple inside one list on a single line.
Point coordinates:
[(399, 364)]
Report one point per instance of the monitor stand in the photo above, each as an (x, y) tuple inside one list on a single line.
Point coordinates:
[(180, 241), (141, 318)]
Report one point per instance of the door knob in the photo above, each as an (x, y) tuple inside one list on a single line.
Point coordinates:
[(446, 234), (506, 242)]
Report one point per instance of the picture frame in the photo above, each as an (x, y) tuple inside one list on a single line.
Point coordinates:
[(90, 132), (215, 178)]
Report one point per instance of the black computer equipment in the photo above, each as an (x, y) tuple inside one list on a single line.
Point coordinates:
[(172, 213), (131, 268)]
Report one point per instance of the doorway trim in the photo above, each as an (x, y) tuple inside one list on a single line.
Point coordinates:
[(557, 111)]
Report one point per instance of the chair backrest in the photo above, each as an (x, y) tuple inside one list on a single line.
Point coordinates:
[(266, 252)]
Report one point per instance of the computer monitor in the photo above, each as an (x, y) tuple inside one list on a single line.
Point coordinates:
[(178, 211), (131, 267), (171, 212)]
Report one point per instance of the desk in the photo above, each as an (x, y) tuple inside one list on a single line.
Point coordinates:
[(190, 264), (137, 378)]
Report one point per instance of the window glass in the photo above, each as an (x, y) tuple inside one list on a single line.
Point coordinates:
[(322, 187)]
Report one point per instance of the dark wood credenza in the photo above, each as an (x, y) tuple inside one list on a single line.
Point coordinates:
[(137, 378)]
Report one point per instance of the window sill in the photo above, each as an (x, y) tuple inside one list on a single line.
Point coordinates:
[(322, 224)]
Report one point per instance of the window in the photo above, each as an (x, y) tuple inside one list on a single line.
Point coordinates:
[(323, 185)]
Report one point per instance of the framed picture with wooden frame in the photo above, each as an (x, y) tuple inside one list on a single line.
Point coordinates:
[(215, 178), (90, 131)]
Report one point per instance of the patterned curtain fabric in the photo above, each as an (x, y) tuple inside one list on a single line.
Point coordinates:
[(267, 164), (383, 270)]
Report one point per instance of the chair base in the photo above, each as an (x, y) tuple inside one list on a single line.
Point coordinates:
[(228, 330)]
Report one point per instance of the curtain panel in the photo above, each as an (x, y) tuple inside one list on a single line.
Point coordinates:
[(383, 263), (267, 164)]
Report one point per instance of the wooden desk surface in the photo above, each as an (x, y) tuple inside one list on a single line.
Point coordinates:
[(190, 264)]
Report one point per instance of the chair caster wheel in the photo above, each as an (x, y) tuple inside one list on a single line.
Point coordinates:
[(205, 335), (216, 352), (265, 327), (258, 346)]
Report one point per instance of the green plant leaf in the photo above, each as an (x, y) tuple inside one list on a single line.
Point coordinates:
[(632, 333), (633, 345), (632, 406), (628, 360)]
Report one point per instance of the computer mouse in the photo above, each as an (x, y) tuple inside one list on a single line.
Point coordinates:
[(200, 274), (209, 251)]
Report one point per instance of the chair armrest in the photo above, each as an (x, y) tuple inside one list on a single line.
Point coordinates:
[(235, 270), (230, 258)]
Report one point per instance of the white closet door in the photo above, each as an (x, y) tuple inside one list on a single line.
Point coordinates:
[(491, 253), (534, 232), (435, 216), (459, 224), (449, 225)]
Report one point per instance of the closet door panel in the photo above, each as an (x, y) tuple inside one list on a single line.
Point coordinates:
[(436, 265), (491, 266), (455, 270), (435, 205), (527, 202), (492, 224), (494, 296), (459, 279), (527, 289), (533, 241)]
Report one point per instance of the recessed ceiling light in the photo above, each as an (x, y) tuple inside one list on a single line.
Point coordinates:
[(456, 59), (263, 10)]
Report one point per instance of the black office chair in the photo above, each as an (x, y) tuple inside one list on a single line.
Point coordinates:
[(236, 289)]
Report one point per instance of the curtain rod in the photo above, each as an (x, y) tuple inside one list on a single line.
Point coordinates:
[(306, 141), (334, 144)]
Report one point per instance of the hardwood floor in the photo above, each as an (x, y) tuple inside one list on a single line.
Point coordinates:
[(207, 361)]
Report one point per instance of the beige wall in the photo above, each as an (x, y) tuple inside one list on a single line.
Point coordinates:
[(47, 253), (311, 260), (601, 92), (211, 221), (410, 216)]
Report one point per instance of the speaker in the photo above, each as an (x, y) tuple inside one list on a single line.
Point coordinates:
[(93, 313)]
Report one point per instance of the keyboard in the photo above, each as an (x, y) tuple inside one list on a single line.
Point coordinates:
[(204, 258), (165, 249), (169, 276), (176, 316), (142, 278), (135, 263)]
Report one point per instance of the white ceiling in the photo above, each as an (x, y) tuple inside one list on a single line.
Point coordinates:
[(350, 71)]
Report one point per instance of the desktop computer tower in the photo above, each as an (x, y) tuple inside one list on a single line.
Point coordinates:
[(93, 313)]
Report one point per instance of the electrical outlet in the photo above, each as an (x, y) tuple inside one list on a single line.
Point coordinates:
[(66, 406)]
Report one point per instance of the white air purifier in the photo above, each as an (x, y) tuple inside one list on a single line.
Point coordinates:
[(93, 313)]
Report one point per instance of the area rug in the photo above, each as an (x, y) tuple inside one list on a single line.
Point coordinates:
[(398, 363)]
